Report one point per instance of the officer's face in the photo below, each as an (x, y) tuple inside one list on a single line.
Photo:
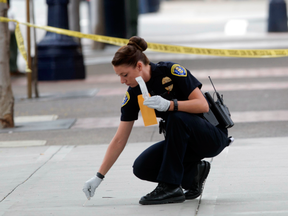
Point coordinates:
[(127, 74)]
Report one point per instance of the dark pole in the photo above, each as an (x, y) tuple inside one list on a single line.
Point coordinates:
[(59, 56), (115, 18), (277, 21)]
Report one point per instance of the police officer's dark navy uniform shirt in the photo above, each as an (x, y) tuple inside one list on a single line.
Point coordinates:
[(169, 80)]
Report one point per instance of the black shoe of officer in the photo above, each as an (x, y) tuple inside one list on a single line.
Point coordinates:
[(198, 182), (163, 194)]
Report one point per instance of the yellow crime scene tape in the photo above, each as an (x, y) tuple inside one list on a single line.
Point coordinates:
[(239, 53), (21, 46)]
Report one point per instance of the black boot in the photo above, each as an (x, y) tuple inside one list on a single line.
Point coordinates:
[(163, 194), (195, 191)]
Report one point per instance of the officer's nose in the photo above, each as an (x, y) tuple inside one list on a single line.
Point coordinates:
[(122, 80)]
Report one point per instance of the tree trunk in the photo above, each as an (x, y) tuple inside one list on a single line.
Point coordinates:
[(6, 95), (97, 20)]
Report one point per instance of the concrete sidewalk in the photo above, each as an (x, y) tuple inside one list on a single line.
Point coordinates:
[(247, 178)]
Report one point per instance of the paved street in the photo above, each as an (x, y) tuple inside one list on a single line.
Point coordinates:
[(60, 138)]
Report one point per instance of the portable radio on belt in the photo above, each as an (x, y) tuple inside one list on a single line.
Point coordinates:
[(219, 110)]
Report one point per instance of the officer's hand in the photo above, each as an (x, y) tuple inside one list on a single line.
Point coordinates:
[(158, 103), (90, 186)]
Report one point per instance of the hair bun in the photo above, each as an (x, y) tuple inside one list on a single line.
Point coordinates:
[(138, 42)]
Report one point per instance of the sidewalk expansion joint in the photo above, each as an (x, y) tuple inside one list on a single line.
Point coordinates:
[(31, 174)]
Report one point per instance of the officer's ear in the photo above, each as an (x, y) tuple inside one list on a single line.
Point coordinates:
[(139, 66)]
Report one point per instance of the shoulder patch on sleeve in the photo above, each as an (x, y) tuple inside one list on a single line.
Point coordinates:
[(125, 99), (178, 70)]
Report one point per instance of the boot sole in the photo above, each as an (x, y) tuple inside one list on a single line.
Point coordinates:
[(179, 199), (202, 180)]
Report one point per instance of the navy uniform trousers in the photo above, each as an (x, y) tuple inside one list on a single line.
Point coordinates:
[(189, 139)]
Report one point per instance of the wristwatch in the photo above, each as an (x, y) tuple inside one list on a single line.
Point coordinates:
[(175, 105)]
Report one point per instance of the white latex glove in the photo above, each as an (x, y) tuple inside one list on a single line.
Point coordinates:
[(90, 186), (158, 103)]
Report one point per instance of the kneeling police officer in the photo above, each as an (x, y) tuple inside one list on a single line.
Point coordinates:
[(176, 163)]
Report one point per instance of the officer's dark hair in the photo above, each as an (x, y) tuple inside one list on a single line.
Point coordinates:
[(131, 53)]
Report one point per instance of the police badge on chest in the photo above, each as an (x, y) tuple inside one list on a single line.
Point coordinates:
[(168, 86)]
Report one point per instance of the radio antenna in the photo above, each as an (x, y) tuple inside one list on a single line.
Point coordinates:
[(218, 96), (212, 83)]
